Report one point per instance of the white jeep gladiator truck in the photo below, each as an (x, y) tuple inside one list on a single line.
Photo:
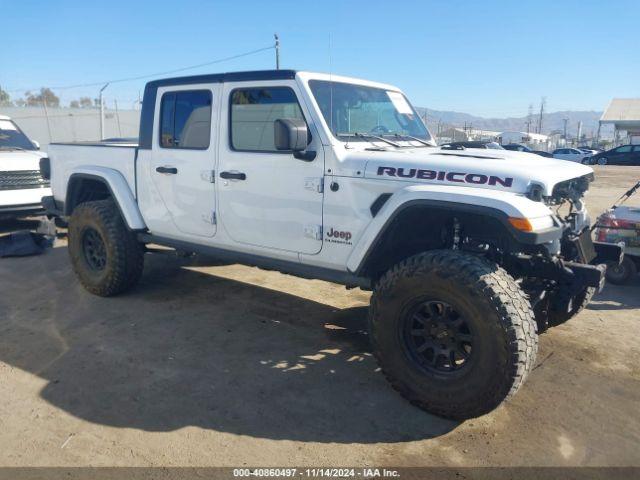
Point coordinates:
[(21, 183), (338, 179)]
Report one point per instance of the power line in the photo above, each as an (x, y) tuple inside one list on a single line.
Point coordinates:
[(157, 74)]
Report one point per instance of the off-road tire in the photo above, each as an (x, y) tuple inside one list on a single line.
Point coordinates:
[(491, 301), (623, 273), (124, 255)]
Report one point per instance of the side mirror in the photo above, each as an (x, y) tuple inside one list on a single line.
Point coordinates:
[(290, 134), (36, 144)]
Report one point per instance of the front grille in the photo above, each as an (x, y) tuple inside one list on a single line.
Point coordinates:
[(21, 179)]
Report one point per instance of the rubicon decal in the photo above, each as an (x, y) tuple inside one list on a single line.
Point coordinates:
[(337, 236), (457, 177)]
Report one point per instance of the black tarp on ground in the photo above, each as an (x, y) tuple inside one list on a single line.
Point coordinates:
[(23, 243)]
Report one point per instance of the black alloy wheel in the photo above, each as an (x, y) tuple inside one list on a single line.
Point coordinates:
[(437, 338), (95, 252)]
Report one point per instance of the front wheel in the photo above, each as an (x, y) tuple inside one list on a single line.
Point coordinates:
[(603, 161), (452, 332)]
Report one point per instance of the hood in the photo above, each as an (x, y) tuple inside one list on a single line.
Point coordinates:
[(11, 160), (480, 168)]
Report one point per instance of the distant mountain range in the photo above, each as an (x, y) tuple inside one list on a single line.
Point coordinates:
[(550, 121)]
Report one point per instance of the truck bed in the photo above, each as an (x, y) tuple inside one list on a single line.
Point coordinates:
[(117, 154)]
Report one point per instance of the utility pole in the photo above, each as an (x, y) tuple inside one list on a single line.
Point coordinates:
[(115, 102), (579, 134), (564, 121), (542, 102), (275, 35), (102, 111), (46, 114)]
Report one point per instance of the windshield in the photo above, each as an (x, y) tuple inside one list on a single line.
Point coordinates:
[(11, 137), (494, 146), (353, 111)]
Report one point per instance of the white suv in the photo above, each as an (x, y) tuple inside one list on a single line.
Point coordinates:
[(21, 184)]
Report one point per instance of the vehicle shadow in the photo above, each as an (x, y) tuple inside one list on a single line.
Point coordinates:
[(618, 297), (187, 348)]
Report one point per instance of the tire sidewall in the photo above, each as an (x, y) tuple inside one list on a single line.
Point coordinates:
[(627, 270), (84, 217), (490, 353)]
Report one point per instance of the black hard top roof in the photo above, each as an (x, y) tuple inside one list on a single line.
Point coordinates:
[(225, 77)]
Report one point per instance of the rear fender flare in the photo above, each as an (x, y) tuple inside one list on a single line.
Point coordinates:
[(119, 189)]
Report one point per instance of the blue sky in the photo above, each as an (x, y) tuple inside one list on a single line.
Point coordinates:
[(489, 58)]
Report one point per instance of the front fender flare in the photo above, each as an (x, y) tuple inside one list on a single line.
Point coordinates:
[(494, 203), (120, 191)]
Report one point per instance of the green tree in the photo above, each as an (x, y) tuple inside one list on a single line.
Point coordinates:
[(86, 102), (5, 99), (45, 95)]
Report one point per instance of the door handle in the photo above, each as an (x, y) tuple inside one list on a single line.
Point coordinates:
[(233, 175), (170, 170)]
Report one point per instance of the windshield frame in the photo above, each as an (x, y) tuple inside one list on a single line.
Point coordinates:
[(352, 138), (33, 146)]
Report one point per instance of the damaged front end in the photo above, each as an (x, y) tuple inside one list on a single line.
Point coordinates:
[(561, 277)]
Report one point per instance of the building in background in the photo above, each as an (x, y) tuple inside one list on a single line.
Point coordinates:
[(535, 141), (624, 115), (459, 134)]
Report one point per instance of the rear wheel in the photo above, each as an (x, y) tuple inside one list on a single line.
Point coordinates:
[(622, 273), (106, 257), (452, 332)]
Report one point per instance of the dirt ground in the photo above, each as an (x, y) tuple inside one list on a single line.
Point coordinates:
[(233, 366)]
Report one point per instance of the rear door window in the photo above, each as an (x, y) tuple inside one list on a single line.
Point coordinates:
[(185, 119)]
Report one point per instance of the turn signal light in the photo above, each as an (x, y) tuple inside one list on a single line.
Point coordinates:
[(522, 224)]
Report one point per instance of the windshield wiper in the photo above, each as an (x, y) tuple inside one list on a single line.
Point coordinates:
[(7, 147), (369, 135), (404, 135)]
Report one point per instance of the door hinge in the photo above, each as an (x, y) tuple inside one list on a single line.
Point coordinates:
[(313, 231), (315, 184), (210, 218), (208, 176)]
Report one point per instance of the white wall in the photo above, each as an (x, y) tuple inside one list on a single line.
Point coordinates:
[(72, 124)]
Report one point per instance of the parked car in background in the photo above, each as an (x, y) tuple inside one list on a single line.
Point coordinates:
[(542, 153), (516, 147), (591, 151), (623, 155), (478, 144), (21, 184), (571, 154)]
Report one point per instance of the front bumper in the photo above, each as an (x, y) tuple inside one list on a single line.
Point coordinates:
[(588, 269), (22, 210)]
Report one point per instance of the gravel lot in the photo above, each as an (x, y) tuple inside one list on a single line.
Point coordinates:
[(232, 366)]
